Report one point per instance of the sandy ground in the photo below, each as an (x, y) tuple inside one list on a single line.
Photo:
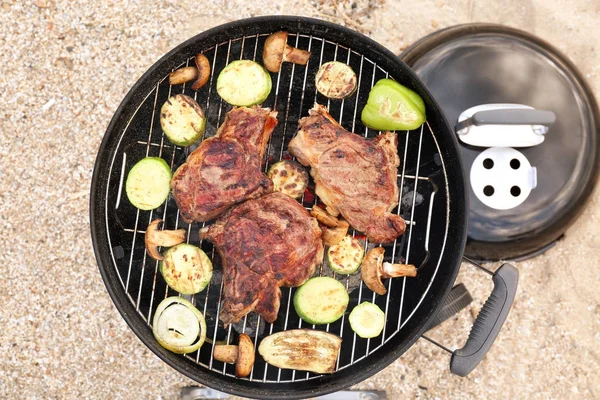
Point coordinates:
[(66, 66)]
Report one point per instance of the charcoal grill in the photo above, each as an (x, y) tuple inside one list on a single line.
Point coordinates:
[(432, 200)]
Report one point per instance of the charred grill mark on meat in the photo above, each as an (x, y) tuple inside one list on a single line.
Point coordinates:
[(264, 244), (354, 176), (225, 169)]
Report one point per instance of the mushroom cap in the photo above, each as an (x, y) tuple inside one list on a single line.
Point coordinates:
[(150, 240), (371, 270), (245, 358), (273, 50), (203, 68)]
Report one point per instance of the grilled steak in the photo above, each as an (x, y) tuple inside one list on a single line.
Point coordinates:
[(264, 244), (225, 169), (354, 176)]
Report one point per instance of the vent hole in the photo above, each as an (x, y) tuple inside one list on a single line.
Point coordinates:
[(488, 163), (515, 190), (489, 190), (515, 164)]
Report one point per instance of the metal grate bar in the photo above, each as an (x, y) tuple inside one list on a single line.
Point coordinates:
[(160, 151), (137, 215), (411, 228), (287, 105)]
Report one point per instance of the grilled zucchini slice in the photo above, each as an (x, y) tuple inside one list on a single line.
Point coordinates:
[(289, 177), (186, 269), (182, 120), (345, 256), (367, 320), (148, 183), (321, 300), (244, 83)]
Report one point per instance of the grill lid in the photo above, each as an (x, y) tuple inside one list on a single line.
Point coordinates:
[(481, 64)]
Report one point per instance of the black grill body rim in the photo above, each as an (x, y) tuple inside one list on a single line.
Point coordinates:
[(457, 216)]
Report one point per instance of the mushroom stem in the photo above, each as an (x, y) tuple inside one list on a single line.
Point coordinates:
[(396, 270), (183, 75), (296, 56), (166, 238), (373, 269), (226, 353)]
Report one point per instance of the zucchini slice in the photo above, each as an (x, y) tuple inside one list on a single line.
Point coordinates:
[(335, 80), (178, 326), (321, 300), (244, 83), (345, 256), (289, 177), (148, 183), (302, 349), (182, 120), (367, 320), (186, 269)]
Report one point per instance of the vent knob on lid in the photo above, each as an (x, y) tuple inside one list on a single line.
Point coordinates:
[(502, 177)]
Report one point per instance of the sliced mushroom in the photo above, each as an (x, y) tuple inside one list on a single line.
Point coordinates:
[(183, 75), (203, 67), (373, 269), (324, 218), (165, 238), (332, 236), (242, 355), (276, 51)]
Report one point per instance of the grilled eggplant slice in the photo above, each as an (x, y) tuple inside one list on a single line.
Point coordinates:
[(244, 83), (335, 80), (186, 269), (182, 120), (289, 177), (302, 349)]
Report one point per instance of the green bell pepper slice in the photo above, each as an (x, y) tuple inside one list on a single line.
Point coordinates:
[(393, 107)]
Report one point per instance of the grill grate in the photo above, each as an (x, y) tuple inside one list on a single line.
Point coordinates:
[(293, 95)]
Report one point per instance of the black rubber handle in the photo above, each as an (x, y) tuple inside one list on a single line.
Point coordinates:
[(488, 323), (509, 116)]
